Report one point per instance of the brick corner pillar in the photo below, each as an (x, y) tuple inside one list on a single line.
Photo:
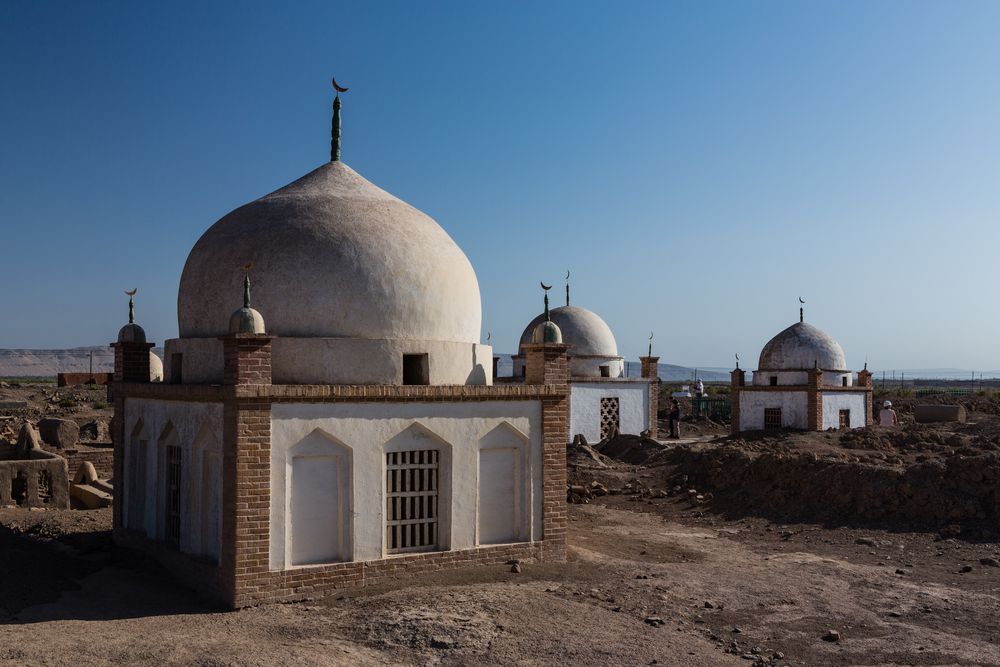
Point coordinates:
[(865, 381), (650, 369), (247, 359), (132, 361), (814, 400), (131, 365), (246, 478), (737, 380), (547, 364)]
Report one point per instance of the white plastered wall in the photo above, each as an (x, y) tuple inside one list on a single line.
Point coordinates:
[(585, 407), (197, 429), (581, 366), (800, 378), (339, 360), (368, 430), (834, 402), (793, 404)]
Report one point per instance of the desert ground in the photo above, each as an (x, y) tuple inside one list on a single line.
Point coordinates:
[(772, 549)]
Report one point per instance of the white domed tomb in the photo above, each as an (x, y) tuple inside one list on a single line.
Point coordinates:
[(802, 382)]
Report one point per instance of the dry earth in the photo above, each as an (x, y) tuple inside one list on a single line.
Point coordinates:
[(68, 599)]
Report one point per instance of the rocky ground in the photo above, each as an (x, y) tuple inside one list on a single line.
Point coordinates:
[(87, 405)]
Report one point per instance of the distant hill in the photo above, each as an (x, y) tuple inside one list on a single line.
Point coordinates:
[(669, 372), (49, 362)]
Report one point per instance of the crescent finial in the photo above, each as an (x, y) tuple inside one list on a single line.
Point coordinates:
[(544, 286), (132, 291), (800, 300), (338, 87)]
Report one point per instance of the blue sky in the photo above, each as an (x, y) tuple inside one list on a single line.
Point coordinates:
[(696, 165)]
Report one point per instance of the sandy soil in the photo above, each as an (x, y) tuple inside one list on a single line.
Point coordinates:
[(647, 580)]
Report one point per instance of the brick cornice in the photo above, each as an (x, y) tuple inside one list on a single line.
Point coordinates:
[(336, 392)]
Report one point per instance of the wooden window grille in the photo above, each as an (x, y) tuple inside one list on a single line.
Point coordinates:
[(173, 505), (412, 484), (845, 419), (610, 417), (772, 418)]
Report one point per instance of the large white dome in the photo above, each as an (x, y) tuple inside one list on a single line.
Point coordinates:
[(333, 256), (801, 347), (583, 330)]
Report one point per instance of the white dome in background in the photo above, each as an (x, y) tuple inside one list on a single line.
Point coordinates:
[(583, 330), (155, 368), (801, 347), (333, 256)]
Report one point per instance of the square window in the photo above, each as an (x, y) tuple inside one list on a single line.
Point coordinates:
[(415, 369), (774, 380), (605, 371)]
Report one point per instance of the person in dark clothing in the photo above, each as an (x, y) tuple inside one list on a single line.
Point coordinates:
[(675, 418)]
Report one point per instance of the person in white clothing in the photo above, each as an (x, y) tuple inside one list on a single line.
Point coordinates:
[(887, 416)]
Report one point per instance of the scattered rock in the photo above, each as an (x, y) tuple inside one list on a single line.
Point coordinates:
[(965, 568), (61, 433), (831, 636), (989, 562), (442, 642), (655, 621)]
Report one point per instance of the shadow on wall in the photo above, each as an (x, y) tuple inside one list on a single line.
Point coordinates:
[(478, 374)]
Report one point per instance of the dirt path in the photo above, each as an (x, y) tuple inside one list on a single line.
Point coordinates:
[(630, 564)]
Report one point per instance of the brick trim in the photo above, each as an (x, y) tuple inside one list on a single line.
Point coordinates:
[(278, 393)]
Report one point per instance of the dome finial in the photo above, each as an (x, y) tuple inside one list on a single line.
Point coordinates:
[(650, 352), (246, 284), (547, 331), (246, 320), (801, 312), (546, 288), (567, 287), (131, 304), (335, 128), (737, 361)]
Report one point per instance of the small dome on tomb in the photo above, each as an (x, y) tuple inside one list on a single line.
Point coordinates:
[(547, 332)]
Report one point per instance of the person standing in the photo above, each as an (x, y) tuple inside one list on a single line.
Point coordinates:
[(887, 416), (699, 389), (674, 417)]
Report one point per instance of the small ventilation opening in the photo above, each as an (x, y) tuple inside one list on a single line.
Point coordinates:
[(774, 380), (415, 369), (605, 371), (843, 381), (524, 371), (176, 368)]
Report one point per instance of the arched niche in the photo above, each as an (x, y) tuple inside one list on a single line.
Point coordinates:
[(204, 497), (136, 467), (170, 467), (503, 511), (417, 472), (318, 500)]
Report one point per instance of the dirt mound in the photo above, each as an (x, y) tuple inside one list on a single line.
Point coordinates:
[(632, 449), (839, 490)]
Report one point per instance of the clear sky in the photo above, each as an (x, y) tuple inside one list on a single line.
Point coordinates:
[(696, 165)]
